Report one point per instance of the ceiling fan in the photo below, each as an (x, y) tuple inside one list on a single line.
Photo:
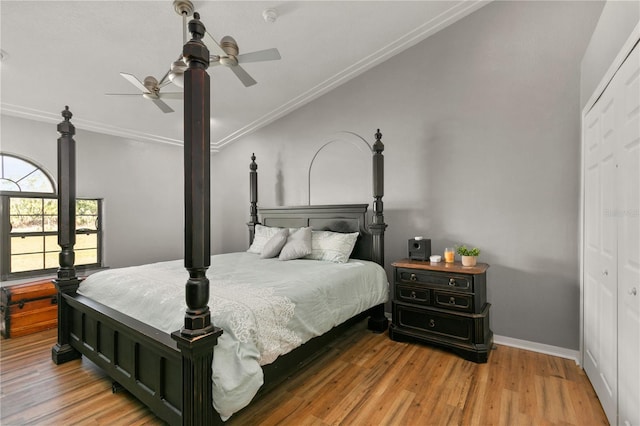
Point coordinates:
[(225, 53), (150, 89)]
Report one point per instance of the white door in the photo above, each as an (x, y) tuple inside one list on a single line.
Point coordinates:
[(600, 246), (628, 213)]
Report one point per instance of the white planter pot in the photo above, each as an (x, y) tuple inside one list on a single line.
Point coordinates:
[(468, 260)]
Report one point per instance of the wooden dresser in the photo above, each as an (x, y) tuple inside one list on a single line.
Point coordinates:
[(444, 304)]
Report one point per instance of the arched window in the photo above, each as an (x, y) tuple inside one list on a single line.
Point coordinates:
[(29, 221), (21, 175)]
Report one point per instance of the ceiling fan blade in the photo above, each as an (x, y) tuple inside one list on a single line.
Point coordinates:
[(171, 95), (260, 55), (244, 77), (163, 106), (122, 94), (214, 46), (133, 80)]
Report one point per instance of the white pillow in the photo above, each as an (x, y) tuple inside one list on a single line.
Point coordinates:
[(274, 245), (298, 245), (332, 246), (261, 236)]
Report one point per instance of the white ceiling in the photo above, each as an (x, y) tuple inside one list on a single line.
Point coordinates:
[(60, 53)]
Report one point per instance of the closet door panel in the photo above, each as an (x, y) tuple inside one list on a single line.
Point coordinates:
[(600, 247), (592, 219), (607, 284), (628, 154)]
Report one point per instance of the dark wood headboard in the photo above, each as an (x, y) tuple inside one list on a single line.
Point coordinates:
[(336, 218)]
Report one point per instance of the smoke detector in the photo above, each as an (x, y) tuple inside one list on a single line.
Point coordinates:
[(270, 15)]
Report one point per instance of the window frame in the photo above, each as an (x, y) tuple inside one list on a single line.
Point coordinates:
[(7, 234), (36, 167)]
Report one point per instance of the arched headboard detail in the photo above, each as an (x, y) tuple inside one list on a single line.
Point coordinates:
[(345, 136)]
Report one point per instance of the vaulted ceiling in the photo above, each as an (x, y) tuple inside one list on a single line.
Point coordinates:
[(57, 53)]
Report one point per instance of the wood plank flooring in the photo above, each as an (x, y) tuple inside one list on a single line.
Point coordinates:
[(362, 379)]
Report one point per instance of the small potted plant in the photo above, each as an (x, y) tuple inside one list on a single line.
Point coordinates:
[(468, 256)]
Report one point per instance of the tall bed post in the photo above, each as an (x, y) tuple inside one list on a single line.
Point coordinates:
[(66, 282), (378, 321), (253, 197), (198, 336)]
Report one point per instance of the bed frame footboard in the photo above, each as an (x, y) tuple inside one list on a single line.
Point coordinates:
[(144, 360)]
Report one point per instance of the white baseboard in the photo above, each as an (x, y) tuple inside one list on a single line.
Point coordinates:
[(538, 347)]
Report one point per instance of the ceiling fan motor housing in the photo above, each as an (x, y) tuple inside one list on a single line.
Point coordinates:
[(151, 83), (229, 45)]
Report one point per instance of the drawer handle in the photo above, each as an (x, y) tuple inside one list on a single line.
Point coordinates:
[(413, 277), (452, 300), (413, 295), (452, 281), (432, 323)]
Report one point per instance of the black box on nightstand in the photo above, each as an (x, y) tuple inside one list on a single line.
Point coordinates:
[(419, 248)]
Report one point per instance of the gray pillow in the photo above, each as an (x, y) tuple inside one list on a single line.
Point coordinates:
[(260, 238), (298, 245), (274, 245)]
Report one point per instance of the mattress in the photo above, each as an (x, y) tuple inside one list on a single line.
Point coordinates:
[(266, 308)]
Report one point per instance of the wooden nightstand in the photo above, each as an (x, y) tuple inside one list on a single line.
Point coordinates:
[(444, 304)]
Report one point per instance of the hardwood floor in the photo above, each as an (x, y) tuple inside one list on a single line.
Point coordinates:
[(363, 379)]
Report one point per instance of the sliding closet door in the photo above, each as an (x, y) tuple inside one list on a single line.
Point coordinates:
[(628, 215), (600, 228)]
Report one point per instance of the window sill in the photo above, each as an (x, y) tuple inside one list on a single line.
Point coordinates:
[(21, 280)]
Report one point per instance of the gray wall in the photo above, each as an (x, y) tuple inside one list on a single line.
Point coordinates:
[(141, 184), (481, 124), (616, 22)]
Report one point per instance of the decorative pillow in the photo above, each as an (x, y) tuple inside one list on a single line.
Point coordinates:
[(298, 245), (262, 235), (274, 245), (332, 246)]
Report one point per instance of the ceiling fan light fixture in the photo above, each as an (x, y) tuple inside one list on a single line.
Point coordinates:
[(177, 78), (176, 75)]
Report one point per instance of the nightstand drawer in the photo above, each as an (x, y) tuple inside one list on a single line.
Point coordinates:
[(410, 294), (457, 301), (445, 280), (435, 323)]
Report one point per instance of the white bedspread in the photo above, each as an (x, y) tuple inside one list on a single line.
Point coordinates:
[(266, 308)]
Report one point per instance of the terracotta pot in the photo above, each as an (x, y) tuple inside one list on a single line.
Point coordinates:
[(468, 260)]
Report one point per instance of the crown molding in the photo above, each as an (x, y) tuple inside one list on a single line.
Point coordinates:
[(92, 126)]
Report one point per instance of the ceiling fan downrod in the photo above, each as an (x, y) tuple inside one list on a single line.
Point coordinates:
[(185, 9)]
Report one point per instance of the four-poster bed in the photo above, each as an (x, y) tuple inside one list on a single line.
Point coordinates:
[(171, 373)]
